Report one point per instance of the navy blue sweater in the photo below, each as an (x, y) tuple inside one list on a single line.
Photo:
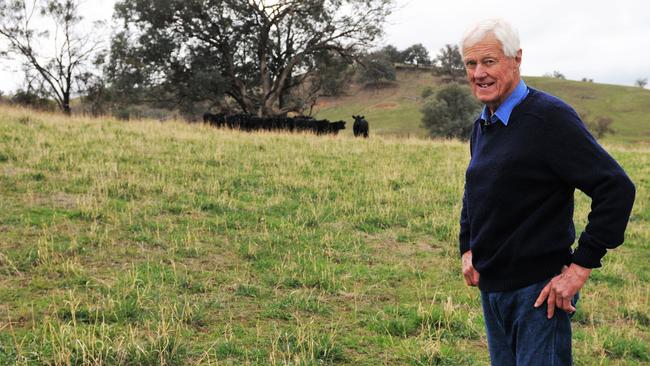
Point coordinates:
[(517, 215)]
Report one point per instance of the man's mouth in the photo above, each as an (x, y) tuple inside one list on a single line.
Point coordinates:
[(484, 85)]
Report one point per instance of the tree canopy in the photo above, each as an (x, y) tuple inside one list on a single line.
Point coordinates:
[(376, 67), (392, 53), (253, 51), (417, 55)]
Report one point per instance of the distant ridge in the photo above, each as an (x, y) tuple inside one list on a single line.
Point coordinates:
[(394, 108)]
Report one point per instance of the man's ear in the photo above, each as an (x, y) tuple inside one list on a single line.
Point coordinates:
[(518, 58)]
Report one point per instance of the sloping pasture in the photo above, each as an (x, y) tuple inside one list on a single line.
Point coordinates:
[(147, 243)]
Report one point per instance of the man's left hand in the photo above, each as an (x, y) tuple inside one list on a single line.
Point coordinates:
[(560, 291)]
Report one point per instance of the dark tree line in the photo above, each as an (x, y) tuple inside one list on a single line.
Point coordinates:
[(259, 57), (380, 65), (236, 56), (254, 52), (416, 55)]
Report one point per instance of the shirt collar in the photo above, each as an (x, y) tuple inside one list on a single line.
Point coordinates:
[(505, 109)]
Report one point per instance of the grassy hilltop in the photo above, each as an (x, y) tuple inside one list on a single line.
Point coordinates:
[(395, 110), (146, 243)]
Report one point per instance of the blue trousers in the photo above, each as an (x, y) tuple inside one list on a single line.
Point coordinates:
[(521, 335)]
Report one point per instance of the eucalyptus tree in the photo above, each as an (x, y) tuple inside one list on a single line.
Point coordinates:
[(258, 50), (416, 55), (46, 36), (377, 67), (449, 62), (393, 54)]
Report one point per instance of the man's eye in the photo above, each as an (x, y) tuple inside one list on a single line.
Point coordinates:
[(470, 63), (489, 62)]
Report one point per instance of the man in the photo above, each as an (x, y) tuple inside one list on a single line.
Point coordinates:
[(529, 152)]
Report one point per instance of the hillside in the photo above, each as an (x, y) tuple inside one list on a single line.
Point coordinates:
[(148, 243), (395, 110)]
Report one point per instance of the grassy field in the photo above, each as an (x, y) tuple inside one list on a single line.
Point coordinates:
[(146, 243), (395, 111)]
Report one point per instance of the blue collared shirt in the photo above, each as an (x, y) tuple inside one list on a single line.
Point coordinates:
[(505, 109)]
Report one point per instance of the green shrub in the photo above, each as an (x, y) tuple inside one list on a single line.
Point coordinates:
[(451, 112)]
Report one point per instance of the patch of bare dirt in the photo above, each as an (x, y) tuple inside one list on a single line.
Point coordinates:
[(386, 105), (389, 244), (12, 172)]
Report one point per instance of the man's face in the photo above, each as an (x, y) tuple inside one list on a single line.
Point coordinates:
[(491, 74)]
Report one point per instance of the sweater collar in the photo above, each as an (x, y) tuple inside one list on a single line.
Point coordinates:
[(505, 109)]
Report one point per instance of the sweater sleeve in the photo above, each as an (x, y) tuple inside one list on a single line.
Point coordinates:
[(463, 236), (579, 161)]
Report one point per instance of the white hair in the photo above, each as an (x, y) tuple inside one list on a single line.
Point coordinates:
[(499, 28)]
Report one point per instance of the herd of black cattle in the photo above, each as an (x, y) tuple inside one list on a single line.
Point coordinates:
[(246, 122)]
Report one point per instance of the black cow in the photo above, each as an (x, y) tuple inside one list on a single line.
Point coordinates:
[(304, 123), (238, 121), (360, 126), (214, 119), (246, 122), (335, 127), (322, 126)]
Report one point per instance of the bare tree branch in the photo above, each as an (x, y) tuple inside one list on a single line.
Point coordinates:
[(72, 50)]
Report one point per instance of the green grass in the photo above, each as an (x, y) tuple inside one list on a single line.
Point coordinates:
[(395, 110), (146, 243)]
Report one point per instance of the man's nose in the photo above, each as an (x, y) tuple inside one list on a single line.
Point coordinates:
[(479, 72)]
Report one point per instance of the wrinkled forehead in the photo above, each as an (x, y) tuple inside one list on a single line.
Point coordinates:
[(487, 39), (488, 45)]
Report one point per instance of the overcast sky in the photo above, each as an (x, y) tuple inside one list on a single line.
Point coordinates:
[(603, 40), (608, 41)]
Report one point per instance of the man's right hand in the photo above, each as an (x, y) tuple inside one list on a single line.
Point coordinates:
[(470, 274)]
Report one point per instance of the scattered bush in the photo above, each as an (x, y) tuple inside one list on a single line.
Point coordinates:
[(427, 92), (558, 75), (28, 98), (451, 112), (599, 126)]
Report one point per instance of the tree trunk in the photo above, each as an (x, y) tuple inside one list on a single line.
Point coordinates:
[(66, 104), (284, 94), (66, 92)]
